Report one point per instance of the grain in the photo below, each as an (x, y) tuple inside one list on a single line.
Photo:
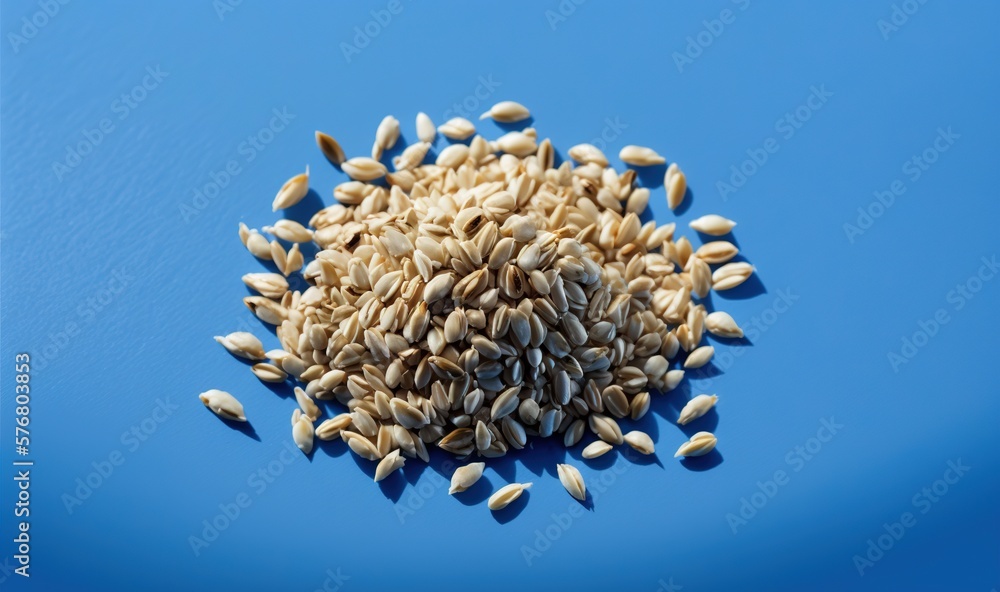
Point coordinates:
[(731, 275), (425, 128), (699, 357), (302, 433), (712, 224), (721, 324), (385, 136), (696, 407), (291, 192), (391, 462), (465, 477), (588, 154), (330, 429), (572, 480), (457, 128), (308, 407), (700, 444), (361, 168), (330, 148), (506, 494), (640, 441), (640, 156), (269, 372), (676, 184), (223, 404), (271, 285), (595, 449), (242, 344), (507, 112), (716, 252)]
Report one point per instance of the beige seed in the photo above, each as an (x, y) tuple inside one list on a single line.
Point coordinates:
[(712, 224), (425, 128), (258, 245), (596, 448), (588, 154), (242, 344), (302, 434), (721, 324), (699, 357), (731, 275), (672, 379), (676, 185), (291, 192), (385, 136), (412, 156), (507, 112), (223, 404), (330, 148), (717, 252), (290, 230), (700, 444), (640, 156), (271, 285), (308, 407), (465, 477), (696, 407), (506, 494), (606, 428), (269, 372), (453, 156), (640, 441), (387, 465), (572, 480), (457, 128), (362, 168), (330, 429), (517, 143)]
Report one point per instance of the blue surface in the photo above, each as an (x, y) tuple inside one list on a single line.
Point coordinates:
[(115, 290)]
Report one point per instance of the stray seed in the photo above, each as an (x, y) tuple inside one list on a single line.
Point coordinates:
[(699, 357), (223, 404), (425, 128), (640, 156), (507, 112), (572, 480), (676, 184), (640, 441), (696, 407), (291, 192), (242, 344), (700, 444), (388, 464), (330, 148), (721, 324), (506, 494), (302, 434), (596, 448), (465, 477), (713, 225)]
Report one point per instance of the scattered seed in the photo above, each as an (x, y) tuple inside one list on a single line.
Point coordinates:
[(640, 441), (700, 444), (696, 407), (640, 156), (465, 477), (506, 494), (507, 112), (388, 464), (425, 128), (721, 324), (223, 404), (712, 224), (699, 357), (596, 448), (242, 344), (572, 480), (330, 148), (291, 192)]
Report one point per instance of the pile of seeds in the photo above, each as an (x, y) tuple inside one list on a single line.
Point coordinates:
[(485, 299)]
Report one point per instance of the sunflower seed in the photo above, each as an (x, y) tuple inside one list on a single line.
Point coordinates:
[(457, 128), (712, 224), (507, 112), (362, 168), (572, 480), (385, 136), (242, 344), (731, 275), (465, 477), (640, 156), (716, 252), (588, 154), (391, 462), (291, 192), (330, 429), (640, 441), (425, 128), (506, 494), (595, 449), (696, 407), (330, 148), (302, 434), (308, 407), (676, 184), (223, 404), (721, 324), (699, 357), (700, 444)]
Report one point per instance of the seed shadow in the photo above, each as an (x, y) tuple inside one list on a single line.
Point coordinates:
[(303, 211), (557, 158), (751, 288), (709, 370), (244, 427), (702, 463), (282, 389), (475, 495), (651, 177), (730, 341), (392, 487), (333, 448), (706, 423), (513, 510), (366, 466), (512, 126), (396, 150)]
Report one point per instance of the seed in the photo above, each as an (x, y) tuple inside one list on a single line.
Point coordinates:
[(457, 128), (506, 494), (388, 464), (640, 156), (588, 154), (507, 112), (453, 156), (696, 407), (596, 448), (362, 168), (712, 224), (412, 156), (572, 480), (360, 445), (223, 404), (302, 433), (258, 245), (269, 372), (731, 275), (676, 184), (465, 477), (716, 252), (271, 285), (330, 148), (721, 324), (291, 192), (308, 407), (700, 444), (385, 136), (606, 428), (640, 441), (330, 429), (425, 128), (242, 344), (699, 357), (517, 143), (672, 379)]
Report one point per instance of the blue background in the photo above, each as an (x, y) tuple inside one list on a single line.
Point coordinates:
[(106, 250)]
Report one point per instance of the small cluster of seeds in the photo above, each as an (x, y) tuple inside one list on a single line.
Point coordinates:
[(482, 300)]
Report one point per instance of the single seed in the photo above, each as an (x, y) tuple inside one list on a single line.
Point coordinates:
[(696, 407), (506, 494), (572, 480), (700, 444), (223, 404)]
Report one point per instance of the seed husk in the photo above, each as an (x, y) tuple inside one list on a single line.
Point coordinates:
[(330, 148), (572, 480), (223, 404), (506, 494)]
